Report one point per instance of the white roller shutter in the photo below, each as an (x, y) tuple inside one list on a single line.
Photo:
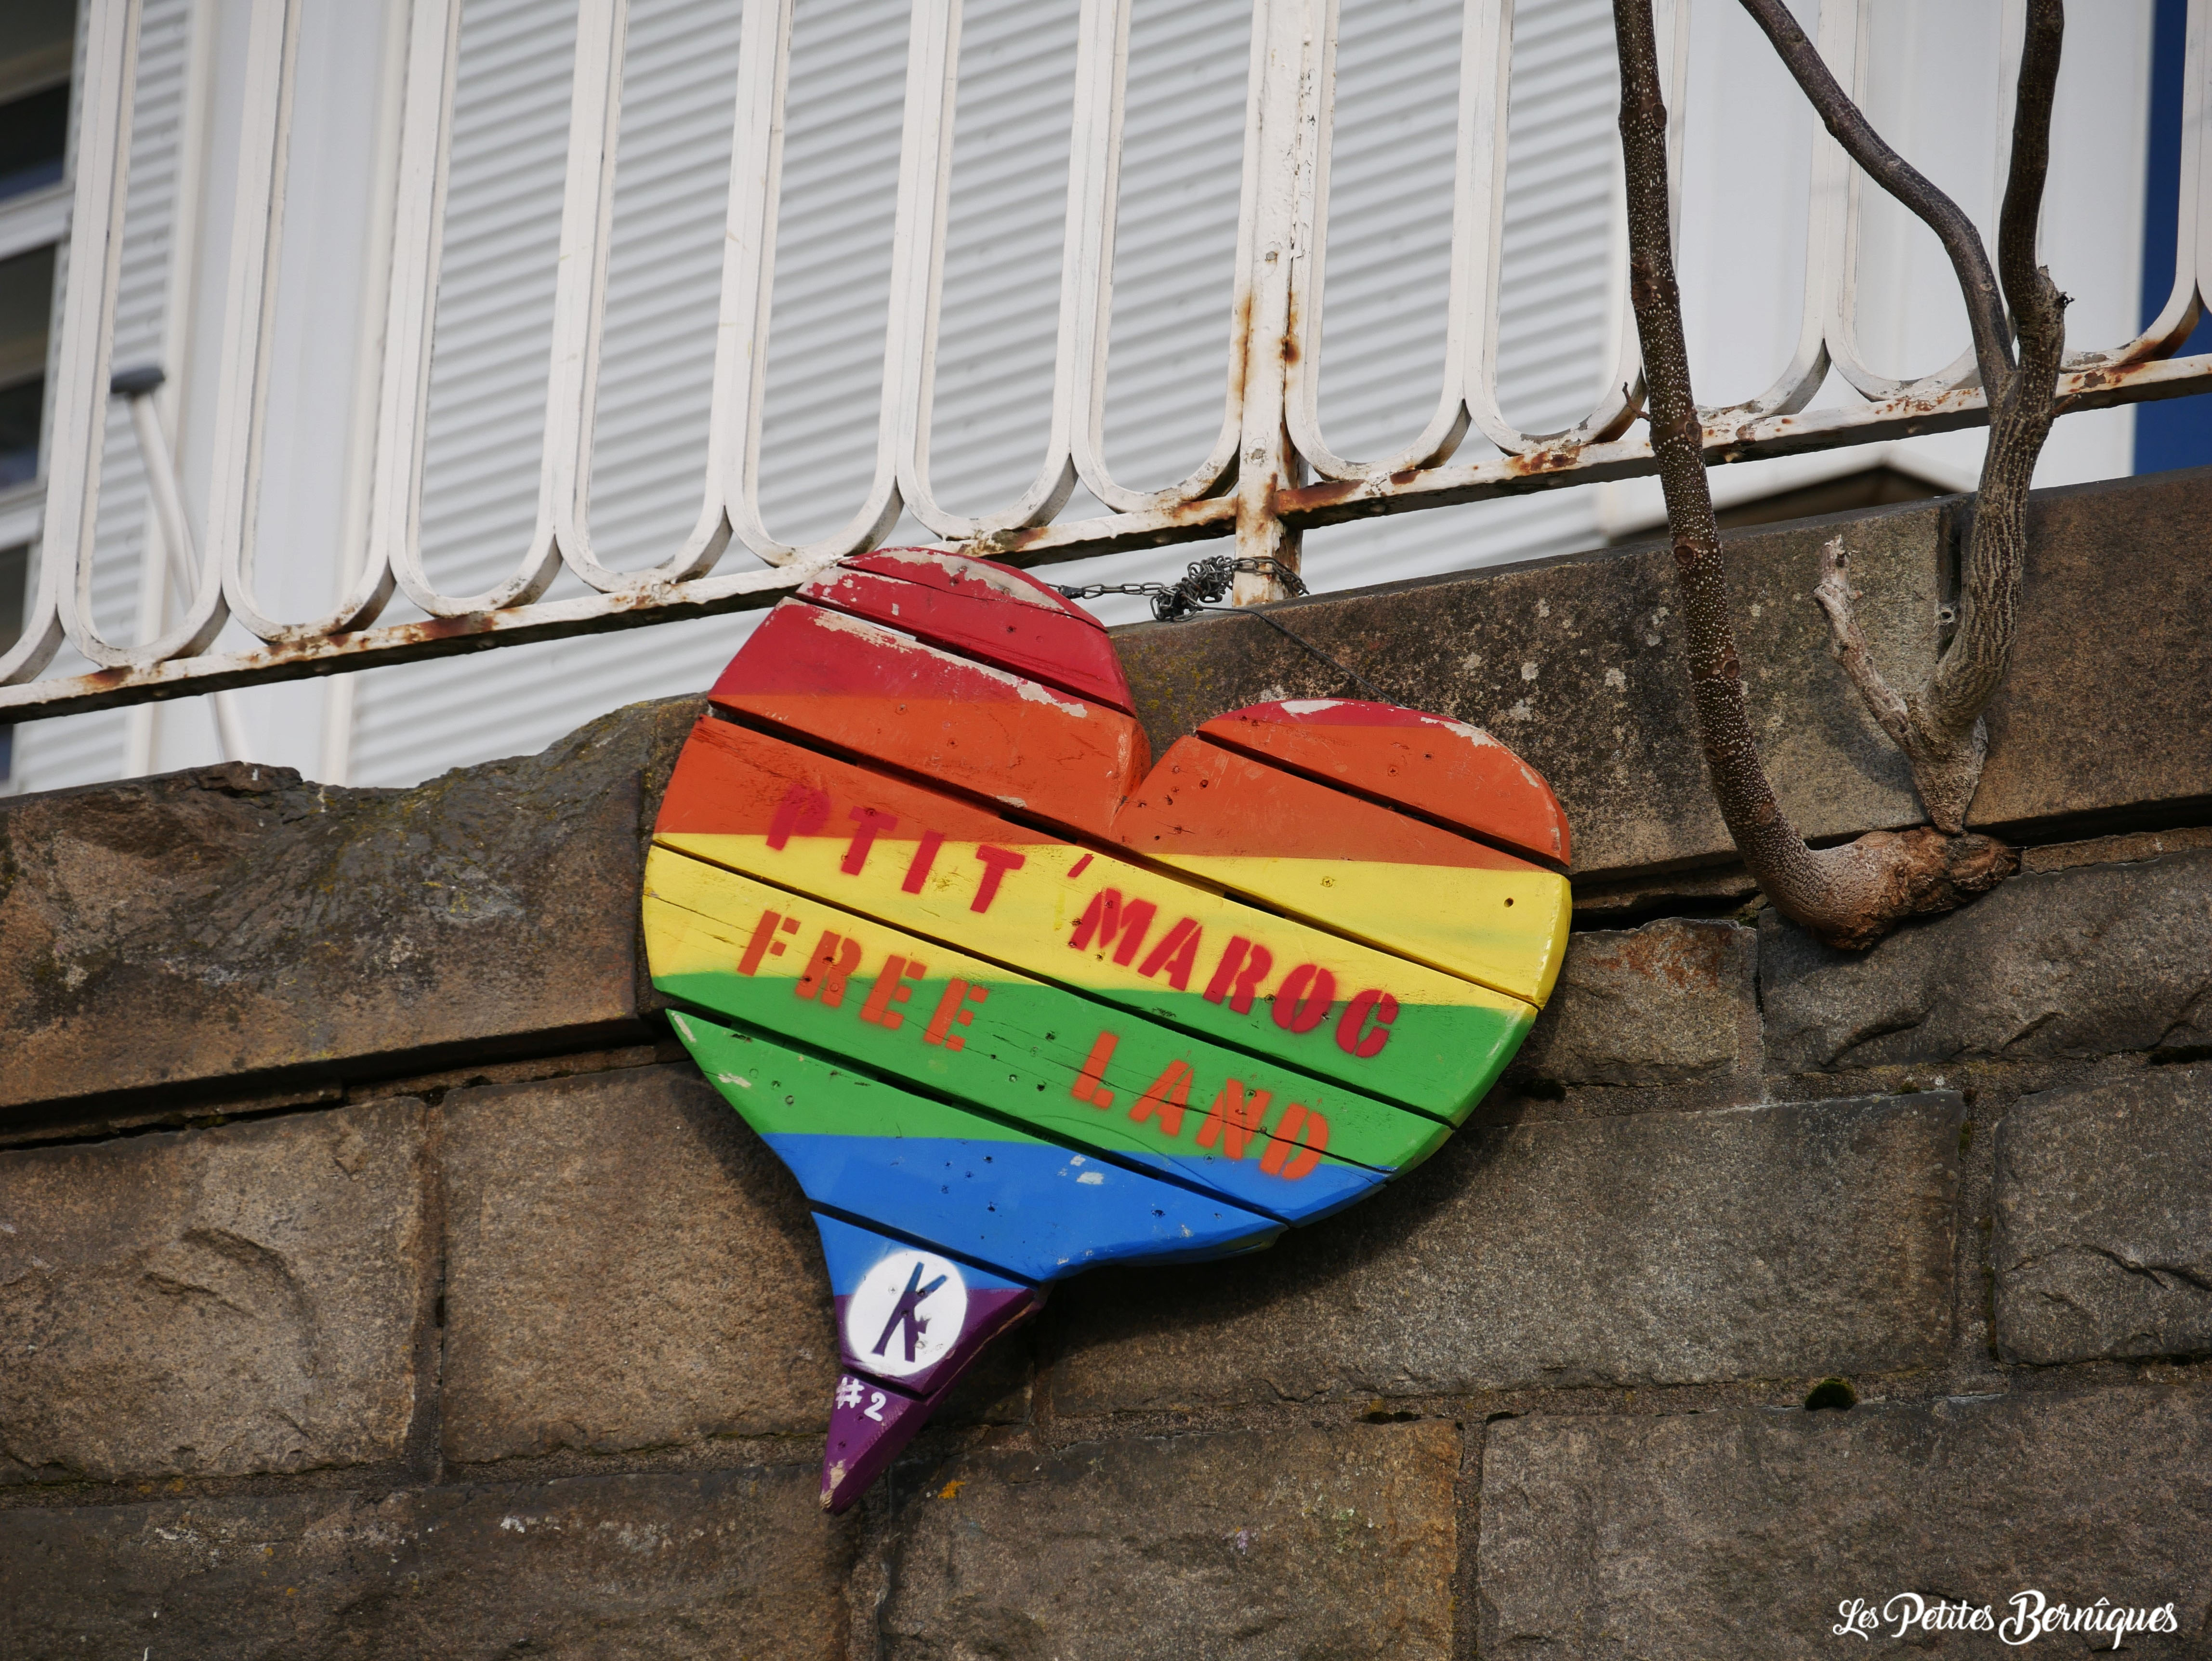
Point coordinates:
[(1391, 239)]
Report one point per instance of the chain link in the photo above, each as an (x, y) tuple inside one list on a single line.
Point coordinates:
[(1203, 587), (1206, 585)]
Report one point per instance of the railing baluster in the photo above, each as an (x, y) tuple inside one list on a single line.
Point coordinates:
[(257, 250), (541, 559), (77, 430), (1826, 206), (756, 182), (1294, 36), (1089, 446), (395, 510), (1843, 330), (78, 423), (2192, 239), (579, 315), (1447, 425), (1103, 36)]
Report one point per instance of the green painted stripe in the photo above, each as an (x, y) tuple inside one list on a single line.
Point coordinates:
[(783, 1092)]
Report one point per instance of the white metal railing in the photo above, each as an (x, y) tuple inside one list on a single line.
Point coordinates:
[(1253, 485)]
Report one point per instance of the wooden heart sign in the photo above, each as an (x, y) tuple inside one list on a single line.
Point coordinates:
[(1011, 1006)]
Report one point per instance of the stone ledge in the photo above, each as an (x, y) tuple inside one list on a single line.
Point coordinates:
[(214, 1303), (1714, 1536), (1653, 1248), (709, 1566), (234, 927), (1292, 1543), (217, 925), (2103, 1198)]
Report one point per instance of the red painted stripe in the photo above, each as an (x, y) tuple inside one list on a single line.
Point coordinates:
[(956, 574), (1049, 646)]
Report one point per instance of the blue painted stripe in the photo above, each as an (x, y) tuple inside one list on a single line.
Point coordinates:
[(1034, 1212), (1327, 1188)]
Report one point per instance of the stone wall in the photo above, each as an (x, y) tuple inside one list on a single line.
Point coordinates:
[(377, 1278)]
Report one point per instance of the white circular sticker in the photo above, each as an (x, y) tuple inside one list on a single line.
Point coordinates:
[(906, 1314)]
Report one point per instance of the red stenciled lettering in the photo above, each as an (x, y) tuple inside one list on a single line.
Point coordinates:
[(891, 988), (1176, 952), (997, 861), (1302, 1000), (763, 937), (951, 1012), (1165, 1098), (1353, 1035), (1302, 1128), (1089, 1084), (1237, 975), (1235, 1120), (832, 964), (1078, 867), (1109, 915), (803, 811), (924, 855), (872, 823)]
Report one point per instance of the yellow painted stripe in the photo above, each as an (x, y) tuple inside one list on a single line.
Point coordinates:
[(1507, 929), (1031, 919)]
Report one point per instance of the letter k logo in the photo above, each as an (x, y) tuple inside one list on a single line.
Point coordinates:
[(903, 1312)]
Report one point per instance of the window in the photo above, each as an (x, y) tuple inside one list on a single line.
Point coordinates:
[(27, 298), (36, 37)]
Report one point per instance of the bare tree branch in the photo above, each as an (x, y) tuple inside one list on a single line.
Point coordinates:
[(1943, 736), (1947, 714), (1842, 118), (1849, 895)]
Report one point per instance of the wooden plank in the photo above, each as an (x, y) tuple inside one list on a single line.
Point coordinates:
[(957, 573), (1176, 953), (848, 683), (1338, 860), (1444, 769), (1076, 1072), (955, 1181), (1060, 649)]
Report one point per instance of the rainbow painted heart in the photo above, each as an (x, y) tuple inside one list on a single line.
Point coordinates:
[(1011, 1006)]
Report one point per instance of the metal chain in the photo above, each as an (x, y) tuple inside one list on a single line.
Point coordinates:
[(1206, 585), (1202, 588)]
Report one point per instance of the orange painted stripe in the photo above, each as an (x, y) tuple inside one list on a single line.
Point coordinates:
[(1444, 769), (1205, 802), (765, 794)]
